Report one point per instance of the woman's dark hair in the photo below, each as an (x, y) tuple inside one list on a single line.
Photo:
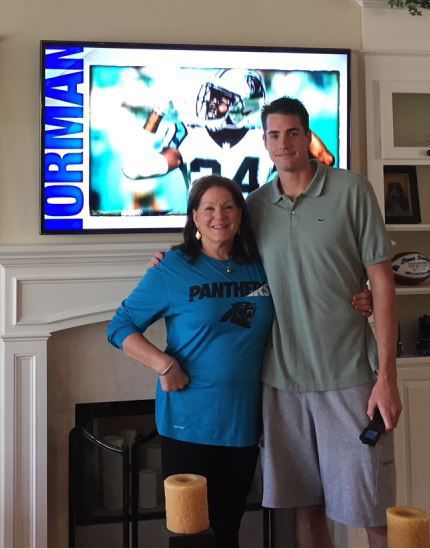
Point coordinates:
[(244, 248), (286, 105)]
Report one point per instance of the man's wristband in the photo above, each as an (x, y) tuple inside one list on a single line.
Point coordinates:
[(167, 368)]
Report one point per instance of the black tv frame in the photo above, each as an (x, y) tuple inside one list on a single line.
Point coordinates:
[(168, 47)]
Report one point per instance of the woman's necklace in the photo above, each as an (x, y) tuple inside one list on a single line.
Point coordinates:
[(228, 268)]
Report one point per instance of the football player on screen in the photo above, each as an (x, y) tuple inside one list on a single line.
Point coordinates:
[(225, 137)]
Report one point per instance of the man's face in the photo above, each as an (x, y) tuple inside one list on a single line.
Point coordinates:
[(287, 142), (218, 105)]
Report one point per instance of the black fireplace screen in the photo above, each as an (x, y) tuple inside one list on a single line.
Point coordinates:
[(114, 473)]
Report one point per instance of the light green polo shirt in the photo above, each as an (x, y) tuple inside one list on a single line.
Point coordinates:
[(315, 250)]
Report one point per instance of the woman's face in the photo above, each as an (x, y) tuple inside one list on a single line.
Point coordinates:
[(217, 218)]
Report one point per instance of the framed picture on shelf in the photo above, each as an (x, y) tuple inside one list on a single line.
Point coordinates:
[(401, 198)]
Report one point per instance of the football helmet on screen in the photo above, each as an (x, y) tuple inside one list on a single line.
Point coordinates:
[(231, 99)]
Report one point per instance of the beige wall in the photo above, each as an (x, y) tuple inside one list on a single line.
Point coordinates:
[(395, 30), (23, 23)]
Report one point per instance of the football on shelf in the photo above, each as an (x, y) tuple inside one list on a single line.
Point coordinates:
[(410, 268)]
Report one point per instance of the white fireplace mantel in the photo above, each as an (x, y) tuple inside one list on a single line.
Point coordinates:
[(44, 289)]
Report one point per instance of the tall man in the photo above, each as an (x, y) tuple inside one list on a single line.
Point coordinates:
[(321, 234)]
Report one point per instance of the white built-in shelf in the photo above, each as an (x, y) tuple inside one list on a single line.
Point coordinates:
[(418, 289), (413, 227), (413, 360), (373, 3)]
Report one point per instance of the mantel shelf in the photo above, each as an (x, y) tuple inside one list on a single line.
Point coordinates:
[(418, 289), (413, 227), (413, 360)]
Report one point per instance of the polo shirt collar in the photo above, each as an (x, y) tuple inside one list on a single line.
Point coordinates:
[(315, 187)]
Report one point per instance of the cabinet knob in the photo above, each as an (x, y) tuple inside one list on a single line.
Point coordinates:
[(428, 152)]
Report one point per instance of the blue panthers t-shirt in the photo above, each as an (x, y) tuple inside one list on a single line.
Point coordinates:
[(217, 324)]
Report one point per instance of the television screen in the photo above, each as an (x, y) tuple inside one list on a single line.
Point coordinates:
[(127, 128)]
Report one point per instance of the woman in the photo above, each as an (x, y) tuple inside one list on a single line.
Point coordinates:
[(213, 293)]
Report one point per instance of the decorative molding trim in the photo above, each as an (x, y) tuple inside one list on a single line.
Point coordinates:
[(75, 254), (48, 288), (58, 298), (383, 4), (24, 450)]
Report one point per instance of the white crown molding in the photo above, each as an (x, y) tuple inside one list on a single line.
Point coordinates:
[(372, 4)]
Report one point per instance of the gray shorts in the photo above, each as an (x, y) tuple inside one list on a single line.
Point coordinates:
[(311, 455)]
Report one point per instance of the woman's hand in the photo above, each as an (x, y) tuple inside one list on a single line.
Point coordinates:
[(175, 379), (363, 302), (172, 377)]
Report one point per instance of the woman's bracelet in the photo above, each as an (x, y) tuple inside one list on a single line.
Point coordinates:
[(167, 368)]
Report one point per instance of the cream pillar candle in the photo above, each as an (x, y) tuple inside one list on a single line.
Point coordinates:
[(407, 527), (186, 504)]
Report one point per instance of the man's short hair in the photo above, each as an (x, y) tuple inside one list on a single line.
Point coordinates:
[(286, 105)]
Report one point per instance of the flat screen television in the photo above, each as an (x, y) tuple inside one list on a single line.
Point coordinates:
[(126, 128)]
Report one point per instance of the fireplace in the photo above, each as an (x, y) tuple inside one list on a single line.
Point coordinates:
[(45, 289)]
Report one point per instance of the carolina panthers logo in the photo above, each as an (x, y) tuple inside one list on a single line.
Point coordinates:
[(240, 314)]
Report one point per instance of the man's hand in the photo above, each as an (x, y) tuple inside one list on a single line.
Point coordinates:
[(385, 396), (363, 302), (155, 259)]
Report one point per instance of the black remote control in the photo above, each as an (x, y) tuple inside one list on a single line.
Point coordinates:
[(372, 433)]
